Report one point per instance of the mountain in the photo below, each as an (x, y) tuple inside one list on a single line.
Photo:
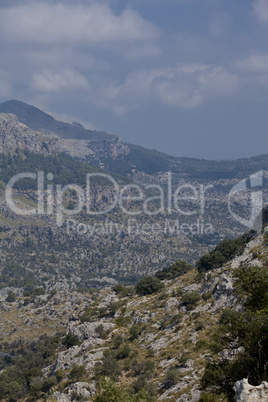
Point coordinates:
[(98, 250), (38, 120), (139, 303), (112, 153), (48, 135), (188, 336)]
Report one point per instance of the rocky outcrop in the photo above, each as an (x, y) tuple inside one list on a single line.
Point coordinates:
[(83, 390), (248, 393), (87, 330), (16, 135), (26, 127)]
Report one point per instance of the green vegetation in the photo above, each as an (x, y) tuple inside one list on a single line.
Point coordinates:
[(14, 275), (190, 299), (23, 375), (246, 331), (148, 285), (11, 297), (222, 253), (65, 169), (77, 372), (175, 270), (70, 340)]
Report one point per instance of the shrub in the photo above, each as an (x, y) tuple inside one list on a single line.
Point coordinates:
[(109, 367), (77, 372), (117, 340), (148, 285), (48, 383), (113, 307), (177, 269), (190, 299), (102, 311), (70, 340), (222, 253), (39, 291), (200, 325), (123, 352), (100, 330), (170, 379), (135, 331), (11, 297), (108, 391)]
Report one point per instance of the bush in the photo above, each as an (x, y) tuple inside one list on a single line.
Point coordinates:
[(148, 285), (77, 372), (11, 297), (117, 340), (108, 391), (123, 352), (39, 291), (100, 330), (177, 269), (48, 383), (190, 299), (135, 331), (70, 340), (170, 379), (109, 367), (113, 307), (123, 290), (222, 253)]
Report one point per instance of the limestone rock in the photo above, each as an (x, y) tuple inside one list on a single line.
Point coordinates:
[(87, 330), (171, 303), (249, 393)]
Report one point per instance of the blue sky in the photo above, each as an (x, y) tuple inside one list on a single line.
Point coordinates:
[(186, 77)]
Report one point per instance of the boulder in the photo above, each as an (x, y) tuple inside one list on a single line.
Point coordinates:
[(249, 393)]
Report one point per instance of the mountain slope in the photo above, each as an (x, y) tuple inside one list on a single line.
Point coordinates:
[(38, 120), (153, 347), (112, 153)]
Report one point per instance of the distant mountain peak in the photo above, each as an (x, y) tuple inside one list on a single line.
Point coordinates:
[(38, 120)]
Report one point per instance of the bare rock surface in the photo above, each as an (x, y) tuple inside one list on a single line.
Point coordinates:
[(248, 393)]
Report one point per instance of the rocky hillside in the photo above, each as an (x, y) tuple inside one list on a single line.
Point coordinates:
[(187, 334), (28, 128), (109, 151)]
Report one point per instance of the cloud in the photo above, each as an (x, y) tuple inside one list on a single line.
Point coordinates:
[(47, 81), (255, 63), (260, 10), (184, 86), (93, 23), (254, 69), (220, 23)]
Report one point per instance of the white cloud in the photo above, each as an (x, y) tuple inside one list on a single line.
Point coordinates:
[(47, 81), (260, 9), (187, 86), (92, 23), (255, 63)]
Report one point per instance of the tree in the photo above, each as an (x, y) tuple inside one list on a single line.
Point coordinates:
[(11, 297), (148, 285), (70, 340)]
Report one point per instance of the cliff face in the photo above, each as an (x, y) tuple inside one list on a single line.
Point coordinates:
[(16, 135)]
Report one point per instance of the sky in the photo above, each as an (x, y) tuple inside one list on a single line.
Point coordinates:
[(186, 77)]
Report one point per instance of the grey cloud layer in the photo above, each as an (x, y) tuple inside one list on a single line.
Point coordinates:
[(63, 47)]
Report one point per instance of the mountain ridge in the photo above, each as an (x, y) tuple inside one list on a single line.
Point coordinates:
[(110, 152)]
